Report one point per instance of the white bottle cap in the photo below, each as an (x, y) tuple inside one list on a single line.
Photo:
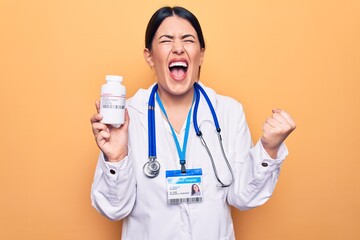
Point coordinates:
[(114, 78)]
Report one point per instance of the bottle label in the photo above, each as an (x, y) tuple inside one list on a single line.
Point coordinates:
[(109, 101), (112, 108)]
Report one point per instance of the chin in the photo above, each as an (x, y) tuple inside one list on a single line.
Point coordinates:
[(180, 87)]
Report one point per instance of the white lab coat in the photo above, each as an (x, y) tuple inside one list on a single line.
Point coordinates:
[(122, 191)]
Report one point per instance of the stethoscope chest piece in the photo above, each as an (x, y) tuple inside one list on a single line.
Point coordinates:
[(151, 168)]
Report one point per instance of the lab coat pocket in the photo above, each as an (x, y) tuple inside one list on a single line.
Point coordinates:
[(211, 189)]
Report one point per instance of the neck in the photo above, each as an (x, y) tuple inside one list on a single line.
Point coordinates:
[(171, 101)]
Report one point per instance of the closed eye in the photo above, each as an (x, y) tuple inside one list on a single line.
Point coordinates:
[(166, 38), (188, 38)]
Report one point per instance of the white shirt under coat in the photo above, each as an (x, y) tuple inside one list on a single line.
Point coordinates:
[(122, 191)]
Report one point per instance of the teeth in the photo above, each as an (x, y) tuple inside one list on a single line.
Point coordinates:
[(178, 64)]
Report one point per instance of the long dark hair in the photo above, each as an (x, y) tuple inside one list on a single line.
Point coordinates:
[(159, 16)]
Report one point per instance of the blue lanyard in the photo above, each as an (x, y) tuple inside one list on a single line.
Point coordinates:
[(181, 152)]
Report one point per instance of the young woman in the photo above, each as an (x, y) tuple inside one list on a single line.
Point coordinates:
[(177, 133)]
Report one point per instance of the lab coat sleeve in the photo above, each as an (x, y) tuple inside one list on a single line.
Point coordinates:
[(114, 188), (255, 172)]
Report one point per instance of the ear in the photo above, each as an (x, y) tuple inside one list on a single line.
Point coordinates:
[(202, 54), (148, 57)]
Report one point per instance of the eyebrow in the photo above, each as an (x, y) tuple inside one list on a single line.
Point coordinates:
[(172, 37), (166, 36), (187, 35)]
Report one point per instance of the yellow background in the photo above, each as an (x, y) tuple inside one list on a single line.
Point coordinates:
[(303, 56)]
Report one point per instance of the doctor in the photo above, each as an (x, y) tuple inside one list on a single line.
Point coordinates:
[(160, 128)]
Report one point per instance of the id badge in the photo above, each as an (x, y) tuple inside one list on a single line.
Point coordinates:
[(184, 187)]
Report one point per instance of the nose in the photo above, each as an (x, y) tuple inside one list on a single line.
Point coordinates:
[(178, 47)]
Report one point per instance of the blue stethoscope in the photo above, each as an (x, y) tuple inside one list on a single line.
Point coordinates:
[(152, 167)]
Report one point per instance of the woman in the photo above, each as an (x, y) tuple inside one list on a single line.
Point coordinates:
[(231, 172), (195, 190)]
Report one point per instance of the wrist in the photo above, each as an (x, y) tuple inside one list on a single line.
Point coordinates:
[(272, 151), (114, 158)]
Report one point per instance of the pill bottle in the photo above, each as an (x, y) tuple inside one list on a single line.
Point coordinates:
[(112, 102)]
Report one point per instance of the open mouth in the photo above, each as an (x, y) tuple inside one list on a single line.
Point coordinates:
[(178, 69)]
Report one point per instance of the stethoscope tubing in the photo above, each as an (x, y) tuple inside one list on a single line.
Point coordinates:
[(151, 124), (198, 88), (152, 167), (218, 130)]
